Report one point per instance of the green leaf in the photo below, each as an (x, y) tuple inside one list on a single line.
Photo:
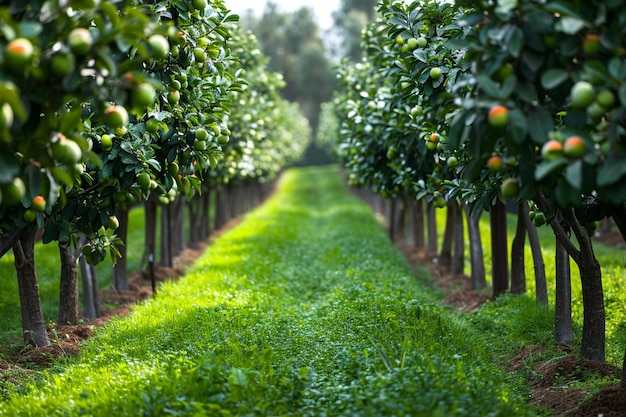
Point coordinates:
[(553, 77), (547, 168), (518, 126), (541, 123), (574, 174), (570, 25), (611, 172), (516, 42)]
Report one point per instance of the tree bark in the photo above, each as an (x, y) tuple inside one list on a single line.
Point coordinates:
[(205, 215), (166, 237), (392, 212), (431, 220), (416, 208), (457, 266), (593, 341), (33, 323), (150, 216), (563, 328), (518, 275), (68, 288), (120, 268), (477, 260), (91, 292), (9, 239), (499, 244), (541, 286)]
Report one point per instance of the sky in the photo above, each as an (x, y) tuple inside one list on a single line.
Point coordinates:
[(322, 8)]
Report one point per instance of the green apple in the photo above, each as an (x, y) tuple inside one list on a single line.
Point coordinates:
[(143, 96), (13, 192), (62, 64), (435, 73), (80, 41), (159, 46), (152, 125), (106, 141), (116, 116), (173, 97), (582, 95)]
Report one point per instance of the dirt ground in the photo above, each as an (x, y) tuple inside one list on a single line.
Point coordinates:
[(553, 383)]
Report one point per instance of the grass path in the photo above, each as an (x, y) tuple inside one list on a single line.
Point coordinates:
[(303, 309)]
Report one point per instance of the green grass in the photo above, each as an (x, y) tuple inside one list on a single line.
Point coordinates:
[(304, 309)]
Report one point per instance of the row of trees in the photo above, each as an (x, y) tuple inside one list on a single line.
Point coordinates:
[(108, 104), (474, 104)]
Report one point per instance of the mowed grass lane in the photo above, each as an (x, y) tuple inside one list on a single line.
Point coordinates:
[(305, 309)]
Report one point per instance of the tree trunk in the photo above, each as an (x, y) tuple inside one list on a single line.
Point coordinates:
[(400, 217), (68, 289), (195, 231), (9, 239), (518, 275), (33, 323), (120, 268), (592, 345), (499, 244), (416, 210), (541, 286), (431, 220), (392, 212), (445, 256), (91, 292), (220, 206), (477, 259), (166, 236), (150, 216), (177, 222), (458, 253), (563, 329), (205, 215)]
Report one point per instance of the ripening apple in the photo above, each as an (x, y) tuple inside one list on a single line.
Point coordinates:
[(582, 95), (498, 116), (66, 151), (116, 116), (159, 46), (495, 163), (422, 42), (399, 40), (509, 188), (38, 203), (114, 223), (551, 150), (80, 41), (591, 44), (574, 147), (18, 53)]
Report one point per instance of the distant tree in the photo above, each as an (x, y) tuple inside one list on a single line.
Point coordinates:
[(293, 43), (349, 22)]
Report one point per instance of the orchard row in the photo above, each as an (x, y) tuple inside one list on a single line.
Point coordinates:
[(105, 104), (477, 102)]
